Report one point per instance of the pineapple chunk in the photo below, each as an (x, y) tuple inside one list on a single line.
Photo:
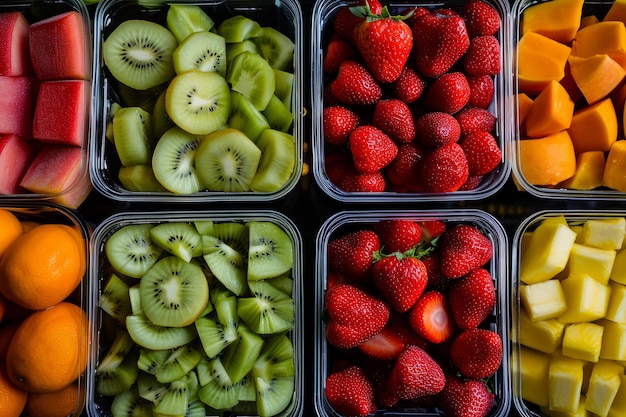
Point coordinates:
[(547, 252), (565, 380), (586, 298), (534, 368), (543, 300), (613, 340), (618, 406), (618, 273), (603, 385), (543, 335), (581, 412), (588, 260), (604, 233), (583, 341), (616, 311)]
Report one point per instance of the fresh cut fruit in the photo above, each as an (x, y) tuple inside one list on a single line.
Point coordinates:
[(15, 55)]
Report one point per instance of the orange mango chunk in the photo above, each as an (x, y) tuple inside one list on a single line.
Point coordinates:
[(592, 19), (615, 168), (557, 19), (596, 76), (594, 128), (606, 37), (551, 112), (524, 104), (539, 61), (547, 161), (589, 172), (617, 12)]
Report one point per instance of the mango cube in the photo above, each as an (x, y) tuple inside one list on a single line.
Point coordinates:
[(565, 380), (594, 262), (586, 299), (583, 341), (616, 311), (543, 300), (604, 233), (604, 383), (542, 335), (580, 412), (618, 273), (618, 406), (534, 367), (613, 340)]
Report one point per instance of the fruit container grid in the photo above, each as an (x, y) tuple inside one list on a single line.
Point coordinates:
[(283, 16), (323, 14), (327, 357), (584, 126), (105, 328)]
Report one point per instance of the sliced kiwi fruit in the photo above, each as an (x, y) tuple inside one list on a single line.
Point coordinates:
[(173, 162), (276, 358), (178, 238), (139, 178), (129, 403), (238, 28), (277, 161), (138, 53), (235, 234), (245, 117), (174, 400), (180, 362), (204, 227), (196, 408), (227, 160), (198, 102), (283, 86), (240, 356), (227, 265), (114, 107), (173, 292), (214, 336), (149, 335), (274, 395), (132, 133), (130, 250), (113, 380), (193, 385), (278, 115), (251, 75), (245, 391), (184, 19), (283, 283), (150, 360), (149, 388), (270, 252), (161, 121), (135, 299), (219, 392), (144, 99), (118, 351), (234, 49), (276, 47), (114, 299), (202, 51), (267, 311)]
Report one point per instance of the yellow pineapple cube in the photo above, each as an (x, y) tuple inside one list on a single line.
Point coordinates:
[(586, 299), (547, 252), (543, 335), (618, 272), (603, 385), (592, 261), (580, 412), (565, 380), (534, 367), (604, 233), (616, 310), (618, 406), (613, 340), (583, 341), (543, 300)]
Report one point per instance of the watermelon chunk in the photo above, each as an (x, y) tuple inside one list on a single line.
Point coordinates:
[(14, 52), (61, 112), (16, 155), (57, 47), (17, 104)]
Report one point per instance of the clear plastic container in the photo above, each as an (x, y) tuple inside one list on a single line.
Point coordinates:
[(99, 405), (323, 14), (347, 221), (284, 15)]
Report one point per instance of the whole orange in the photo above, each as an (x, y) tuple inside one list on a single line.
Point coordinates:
[(49, 350), (11, 228), (62, 403), (12, 399), (42, 266)]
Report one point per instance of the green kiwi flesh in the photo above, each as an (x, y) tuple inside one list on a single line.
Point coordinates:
[(278, 115), (238, 28), (114, 299), (268, 310), (218, 392), (214, 336), (150, 360), (235, 234), (234, 49), (129, 403), (245, 117), (174, 400), (283, 86), (161, 121), (149, 335), (180, 362), (251, 75), (276, 358), (149, 388), (227, 265), (113, 380), (184, 19), (132, 135), (178, 238), (173, 162), (130, 250), (240, 356), (139, 178), (276, 47), (203, 51), (270, 251), (278, 159), (274, 396)]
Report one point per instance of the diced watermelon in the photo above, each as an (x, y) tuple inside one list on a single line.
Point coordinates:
[(16, 156), (76, 194), (14, 52), (57, 47), (61, 112), (17, 105)]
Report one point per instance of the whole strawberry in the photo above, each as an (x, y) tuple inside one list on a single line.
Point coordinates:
[(394, 117), (415, 374), (472, 298), (463, 248), (403, 171), (345, 21), (466, 398), (398, 235), (480, 18), (371, 148), (483, 56), (354, 84), (448, 93), (401, 280), (473, 119), (353, 254), (435, 129), (338, 123), (337, 51), (477, 353), (481, 90), (482, 151), (410, 85), (350, 392), (445, 169)]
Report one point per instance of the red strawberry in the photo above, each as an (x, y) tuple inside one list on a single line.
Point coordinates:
[(483, 56), (403, 171), (335, 278), (415, 374), (357, 182), (345, 21), (385, 345), (472, 298), (431, 318), (463, 248), (466, 398), (337, 51), (436, 281), (477, 353), (481, 91), (400, 324), (354, 316), (371, 149), (473, 119), (482, 151), (432, 228), (350, 392), (398, 235), (448, 93), (393, 116), (472, 183), (439, 40), (378, 372), (400, 279), (385, 43), (480, 18), (445, 169), (338, 123), (354, 84), (435, 129), (353, 254), (410, 85)]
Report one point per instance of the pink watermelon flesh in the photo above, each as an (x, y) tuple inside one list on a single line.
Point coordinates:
[(61, 112), (57, 47), (16, 156), (76, 194), (17, 105), (14, 52), (55, 170)]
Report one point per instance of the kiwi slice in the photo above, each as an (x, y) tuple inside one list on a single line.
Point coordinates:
[(270, 252), (240, 356), (198, 102), (130, 250), (129, 403), (214, 336), (283, 86), (120, 348), (180, 362), (276, 358), (226, 264), (202, 51), (139, 178), (114, 299), (149, 388), (268, 310), (113, 380), (204, 227), (173, 292), (235, 234), (245, 391), (114, 107), (161, 121), (193, 385), (234, 49), (132, 133), (144, 99), (149, 335), (174, 400), (139, 53), (227, 160), (251, 75), (178, 238), (238, 28), (150, 360), (278, 115), (274, 395), (184, 19), (219, 392), (283, 283), (245, 117), (277, 161), (276, 48), (135, 299), (195, 408), (173, 162)]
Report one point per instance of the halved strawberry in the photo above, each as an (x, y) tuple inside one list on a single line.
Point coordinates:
[(431, 318), (385, 345)]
